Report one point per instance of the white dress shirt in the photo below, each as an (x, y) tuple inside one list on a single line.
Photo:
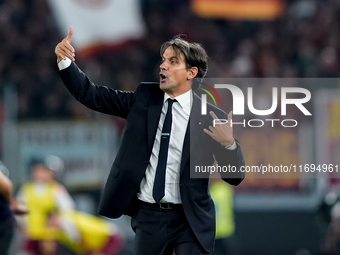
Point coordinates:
[(180, 117)]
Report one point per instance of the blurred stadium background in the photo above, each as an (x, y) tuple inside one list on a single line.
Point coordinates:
[(117, 44)]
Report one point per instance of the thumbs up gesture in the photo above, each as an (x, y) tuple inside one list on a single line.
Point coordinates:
[(64, 49)]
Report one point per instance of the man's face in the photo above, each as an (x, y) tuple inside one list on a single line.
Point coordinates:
[(174, 77)]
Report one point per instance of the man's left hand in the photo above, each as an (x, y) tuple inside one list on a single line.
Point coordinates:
[(222, 133)]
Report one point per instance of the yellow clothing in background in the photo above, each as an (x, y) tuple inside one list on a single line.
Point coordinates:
[(40, 204), (222, 194), (93, 232)]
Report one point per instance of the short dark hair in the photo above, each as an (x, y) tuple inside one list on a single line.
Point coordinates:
[(194, 54)]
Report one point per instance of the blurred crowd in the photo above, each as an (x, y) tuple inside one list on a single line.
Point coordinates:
[(303, 42)]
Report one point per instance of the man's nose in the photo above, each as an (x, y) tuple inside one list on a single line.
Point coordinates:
[(163, 66)]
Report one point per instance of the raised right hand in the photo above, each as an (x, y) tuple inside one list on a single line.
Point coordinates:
[(64, 48)]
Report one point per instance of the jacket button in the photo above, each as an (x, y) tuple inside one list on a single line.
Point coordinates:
[(146, 163), (239, 157)]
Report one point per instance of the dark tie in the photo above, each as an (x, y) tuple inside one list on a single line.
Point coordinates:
[(159, 184)]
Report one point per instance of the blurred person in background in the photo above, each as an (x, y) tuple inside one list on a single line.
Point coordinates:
[(170, 211), (8, 206), (85, 234), (331, 245), (42, 196), (222, 194)]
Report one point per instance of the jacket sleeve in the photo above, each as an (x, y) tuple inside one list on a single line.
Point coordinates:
[(234, 161), (98, 98)]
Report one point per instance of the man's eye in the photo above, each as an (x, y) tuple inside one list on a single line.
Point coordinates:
[(173, 61)]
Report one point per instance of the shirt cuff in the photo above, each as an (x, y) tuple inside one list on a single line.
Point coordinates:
[(231, 146), (65, 63)]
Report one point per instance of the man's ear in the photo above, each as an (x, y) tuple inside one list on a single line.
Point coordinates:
[(192, 73)]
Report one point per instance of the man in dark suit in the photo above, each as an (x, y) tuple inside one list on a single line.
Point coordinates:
[(165, 138)]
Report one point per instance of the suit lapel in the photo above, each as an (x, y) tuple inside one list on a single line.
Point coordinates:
[(194, 130), (154, 113)]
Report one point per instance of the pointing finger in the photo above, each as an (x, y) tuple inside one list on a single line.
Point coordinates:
[(213, 115), (70, 33), (230, 115)]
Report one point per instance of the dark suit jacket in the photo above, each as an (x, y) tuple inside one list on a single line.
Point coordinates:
[(142, 109)]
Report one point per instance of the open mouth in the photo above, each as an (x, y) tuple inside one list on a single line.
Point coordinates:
[(162, 77)]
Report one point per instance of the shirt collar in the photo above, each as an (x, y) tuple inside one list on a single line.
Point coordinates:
[(183, 99)]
